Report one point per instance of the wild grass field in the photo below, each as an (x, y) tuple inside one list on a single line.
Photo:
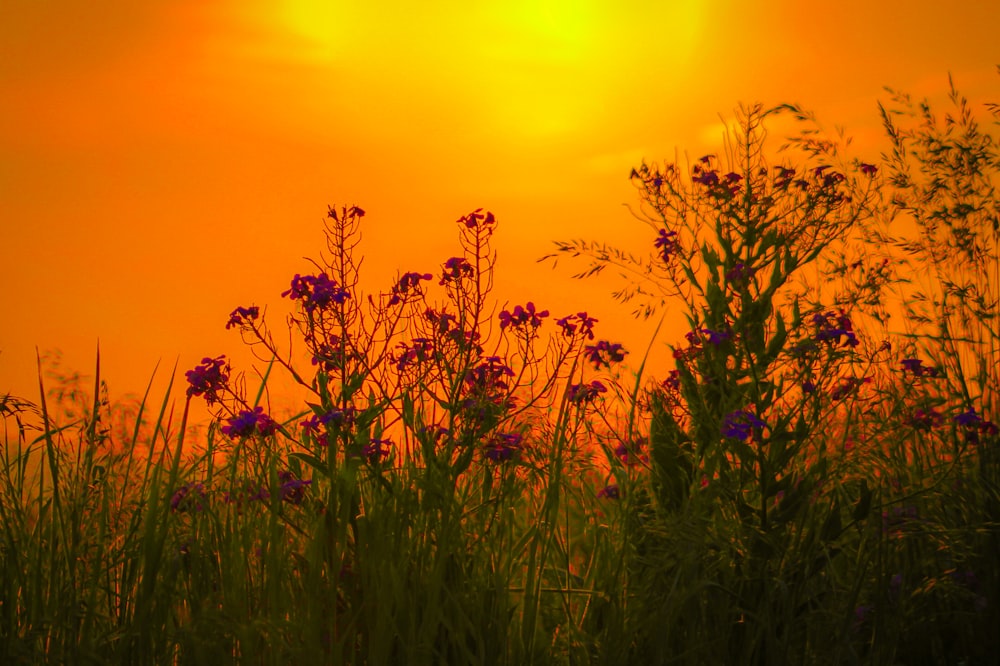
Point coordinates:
[(816, 480)]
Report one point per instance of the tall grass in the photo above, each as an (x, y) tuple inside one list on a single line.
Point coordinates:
[(807, 485)]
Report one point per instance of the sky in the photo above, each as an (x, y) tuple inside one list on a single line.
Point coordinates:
[(162, 162)]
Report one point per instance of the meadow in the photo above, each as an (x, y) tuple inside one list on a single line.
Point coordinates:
[(816, 480)]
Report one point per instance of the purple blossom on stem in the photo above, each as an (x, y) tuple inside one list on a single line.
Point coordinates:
[(831, 327), (925, 419), (336, 418), (522, 316), (503, 446), (916, 367), (315, 291), (248, 422), (292, 490), (741, 424), (208, 379), (377, 450), (668, 244), (580, 321), (585, 393), (868, 169), (478, 220), (409, 283), (243, 317), (455, 269), (189, 497), (611, 492), (604, 353)]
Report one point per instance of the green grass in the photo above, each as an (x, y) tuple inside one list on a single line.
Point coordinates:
[(791, 492)]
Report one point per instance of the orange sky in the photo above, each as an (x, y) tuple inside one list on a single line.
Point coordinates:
[(162, 162)]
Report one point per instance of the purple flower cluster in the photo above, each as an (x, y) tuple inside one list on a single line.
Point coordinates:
[(292, 490), (250, 422), (478, 220), (522, 316), (503, 446), (741, 424), (585, 393), (832, 326), (243, 317), (668, 244), (455, 269), (315, 291), (420, 351), (336, 418), (189, 497), (377, 450), (974, 426), (581, 322), (604, 353), (408, 284), (611, 492), (917, 368), (209, 379)]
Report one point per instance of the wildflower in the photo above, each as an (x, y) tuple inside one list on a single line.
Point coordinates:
[(189, 497), (741, 424), (605, 353), (868, 169), (848, 385), (831, 327), (522, 316), (248, 422), (503, 446), (739, 274), (315, 291), (208, 379), (611, 492), (916, 367), (478, 220), (808, 387), (292, 490), (571, 323), (408, 283), (584, 393), (335, 418), (422, 350), (455, 269), (974, 426), (243, 317), (783, 178), (922, 419), (377, 449), (716, 338), (630, 453), (668, 243), (490, 375), (673, 381)]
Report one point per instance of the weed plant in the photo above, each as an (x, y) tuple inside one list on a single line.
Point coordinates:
[(474, 484)]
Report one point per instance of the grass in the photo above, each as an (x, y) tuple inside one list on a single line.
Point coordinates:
[(459, 488)]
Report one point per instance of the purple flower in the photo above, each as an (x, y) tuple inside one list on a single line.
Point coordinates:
[(455, 269), (335, 418), (208, 379), (248, 422), (868, 169), (605, 353), (580, 321), (808, 387), (925, 419), (611, 492), (716, 338), (478, 220), (315, 291), (522, 316), (377, 450), (630, 453), (189, 497), (422, 350), (292, 490), (243, 317), (584, 393), (668, 243), (916, 367), (741, 424), (739, 274), (408, 283), (831, 327), (847, 386), (503, 446)]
